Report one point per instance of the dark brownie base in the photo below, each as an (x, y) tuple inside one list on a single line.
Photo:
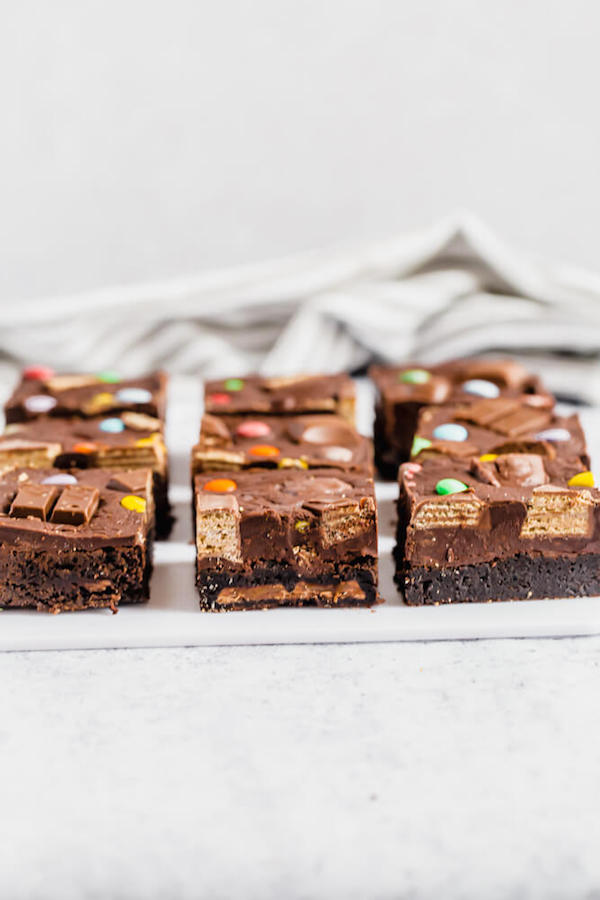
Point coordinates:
[(520, 577), (390, 454), (102, 578), (328, 590), (163, 510)]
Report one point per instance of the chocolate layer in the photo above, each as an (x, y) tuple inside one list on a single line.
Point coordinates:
[(276, 396), (125, 441), (313, 441), (86, 395), (403, 391), (498, 426), (514, 504)]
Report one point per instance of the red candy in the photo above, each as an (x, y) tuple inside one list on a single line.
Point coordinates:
[(38, 373), (219, 399), (253, 429)]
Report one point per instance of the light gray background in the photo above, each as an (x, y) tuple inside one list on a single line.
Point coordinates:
[(145, 139)]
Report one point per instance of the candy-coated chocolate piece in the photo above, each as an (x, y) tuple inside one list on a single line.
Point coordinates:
[(450, 431), (109, 377), (112, 426), (289, 462), (234, 384), (488, 457), (220, 485), (219, 399), (133, 503), (418, 444), (338, 454), (147, 441), (61, 478), (133, 395), (554, 434), (38, 373), (39, 403), (253, 429), (481, 388), (414, 376), (582, 479), (85, 447), (450, 486), (265, 450), (302, 525)]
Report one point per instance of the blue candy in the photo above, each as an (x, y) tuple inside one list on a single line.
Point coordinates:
[(133, 395), (449, 431), (481, 388), (112, 426)]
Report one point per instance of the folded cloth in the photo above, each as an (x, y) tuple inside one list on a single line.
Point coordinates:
[(452, 289)]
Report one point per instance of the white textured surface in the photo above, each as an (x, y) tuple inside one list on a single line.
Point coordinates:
[(391, 771)]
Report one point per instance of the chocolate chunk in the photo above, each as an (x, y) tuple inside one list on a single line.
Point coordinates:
[(526, 469), (76, 505), (35, 500), (134, 482)]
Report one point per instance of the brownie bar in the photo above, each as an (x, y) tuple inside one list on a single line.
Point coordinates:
[(78, 540), (403, 391), (302, 442), (129, 440), (44, 393), (293, 538), (507, 526), (253, 395)]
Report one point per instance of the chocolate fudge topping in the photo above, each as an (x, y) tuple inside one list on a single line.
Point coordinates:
[(403, 391), (128, 438), (313, 441), (86, 395), (48, 509), (513, 504), (276, 396), (278, 514)]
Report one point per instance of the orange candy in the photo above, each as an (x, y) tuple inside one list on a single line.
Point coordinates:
[(264, 450), (220, 485), (84, 448)]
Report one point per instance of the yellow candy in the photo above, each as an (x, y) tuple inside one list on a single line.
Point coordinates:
[(133, 503), (287, 462), (488, 457), (582, 479), (147, 441), (102, 398)]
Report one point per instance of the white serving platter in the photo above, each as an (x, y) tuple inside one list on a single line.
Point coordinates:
[(172, 617)]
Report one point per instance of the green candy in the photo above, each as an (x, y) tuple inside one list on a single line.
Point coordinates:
[(109, 377), (419, 444), (414, 376), (450, 486), (234, 384)]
